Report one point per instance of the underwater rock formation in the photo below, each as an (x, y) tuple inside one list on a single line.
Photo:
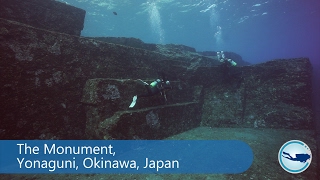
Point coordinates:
[(45, 14), (137, 43), (61, 86), (231, 55), (275, 94), (45, 74), (169, 49), (108, 118)]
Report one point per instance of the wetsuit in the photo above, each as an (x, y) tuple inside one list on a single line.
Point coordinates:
[(155, 87)]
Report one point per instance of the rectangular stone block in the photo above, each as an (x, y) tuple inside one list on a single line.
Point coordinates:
[(148, 123), (104, 98), (45, 14), (275, 94)]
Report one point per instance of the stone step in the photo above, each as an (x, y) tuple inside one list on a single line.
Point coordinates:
[(112, 95), (155, 122)]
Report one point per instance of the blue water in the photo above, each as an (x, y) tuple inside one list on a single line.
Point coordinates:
[(258, 30)]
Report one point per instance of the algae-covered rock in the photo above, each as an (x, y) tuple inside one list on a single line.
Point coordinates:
[(44, 74), (45, 14), (150, 123), (276, 94), (107, 101)]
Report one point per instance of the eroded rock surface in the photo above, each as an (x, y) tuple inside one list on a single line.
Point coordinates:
[(44, 14)]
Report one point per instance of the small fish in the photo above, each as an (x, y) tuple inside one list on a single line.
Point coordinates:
[(115, 13)]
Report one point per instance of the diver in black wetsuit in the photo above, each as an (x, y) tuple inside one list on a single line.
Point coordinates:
[(226, 65), (156, 87)]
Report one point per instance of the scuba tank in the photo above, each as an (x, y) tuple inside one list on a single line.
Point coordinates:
[(232, 62)]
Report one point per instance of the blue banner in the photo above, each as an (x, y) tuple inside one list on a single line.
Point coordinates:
[(125, 156)]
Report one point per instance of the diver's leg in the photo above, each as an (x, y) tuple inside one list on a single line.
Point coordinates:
[(134, 99), (142, 82), (149, 92)]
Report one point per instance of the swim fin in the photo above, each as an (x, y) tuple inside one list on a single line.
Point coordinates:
[(134, 100)]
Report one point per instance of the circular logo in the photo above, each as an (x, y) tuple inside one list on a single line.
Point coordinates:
[(295, 156)]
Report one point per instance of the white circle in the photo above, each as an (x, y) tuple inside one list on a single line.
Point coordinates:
[(295, 156)]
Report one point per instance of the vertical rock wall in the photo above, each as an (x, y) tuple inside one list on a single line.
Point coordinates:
[(275, 94)]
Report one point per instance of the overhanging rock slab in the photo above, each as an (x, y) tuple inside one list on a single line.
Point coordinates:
[(45, 14)]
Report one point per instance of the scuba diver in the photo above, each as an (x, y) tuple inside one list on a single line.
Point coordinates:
[(228, 71), (158, 86), (225, 66), (222, 58)]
